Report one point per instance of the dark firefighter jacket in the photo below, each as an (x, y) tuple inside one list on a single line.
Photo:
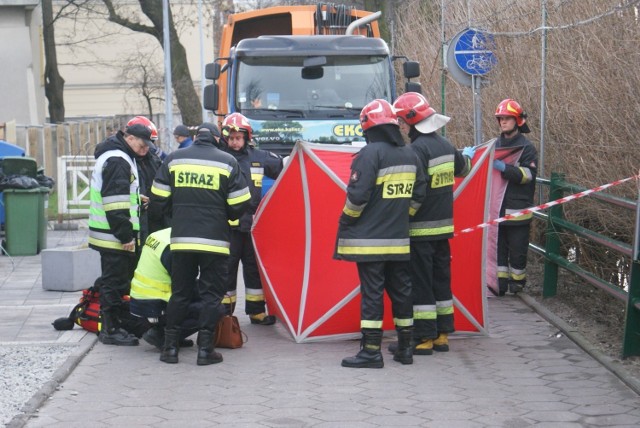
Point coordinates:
[(521, 178), (114, 194), (385, 187), (255, 164), (441, 162), (203, 188)]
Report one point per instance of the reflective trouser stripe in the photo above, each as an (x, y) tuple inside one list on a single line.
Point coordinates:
[(371, 324), (253, 295)]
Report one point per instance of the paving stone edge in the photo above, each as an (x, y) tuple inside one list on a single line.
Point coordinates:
[(31, 407)]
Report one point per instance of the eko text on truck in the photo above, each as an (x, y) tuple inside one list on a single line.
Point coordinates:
[(303, 73)]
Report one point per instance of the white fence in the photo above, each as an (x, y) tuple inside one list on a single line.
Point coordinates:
[(74, 177)]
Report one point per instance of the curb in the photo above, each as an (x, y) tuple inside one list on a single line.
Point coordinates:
[(609, 363), (59, 376)]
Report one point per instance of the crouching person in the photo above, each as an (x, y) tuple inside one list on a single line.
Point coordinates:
[(151, 290)]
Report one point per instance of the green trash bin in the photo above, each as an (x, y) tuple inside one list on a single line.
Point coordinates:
[(25, 222)]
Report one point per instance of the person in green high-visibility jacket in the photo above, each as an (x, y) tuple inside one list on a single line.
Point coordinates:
[(114, 225)]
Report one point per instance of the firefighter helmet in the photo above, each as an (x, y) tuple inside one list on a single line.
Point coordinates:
[(236, 122), (141, 120), (377, 112), (511, 108), (413, 107)]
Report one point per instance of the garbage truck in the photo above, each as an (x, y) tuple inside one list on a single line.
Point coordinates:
[(303, 73)]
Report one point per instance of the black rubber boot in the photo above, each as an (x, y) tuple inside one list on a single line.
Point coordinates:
[(393, 346), (404, 353), (154, 336), (170, 349), (262, 319), (206, 353), (111, 334), (369, 356)]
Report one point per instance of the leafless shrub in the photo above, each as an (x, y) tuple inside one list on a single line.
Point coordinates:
[(592, 91)]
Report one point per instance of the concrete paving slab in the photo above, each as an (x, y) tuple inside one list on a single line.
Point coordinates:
[(524, 372)]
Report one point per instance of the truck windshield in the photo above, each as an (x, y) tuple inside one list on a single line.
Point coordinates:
[(338, 88)]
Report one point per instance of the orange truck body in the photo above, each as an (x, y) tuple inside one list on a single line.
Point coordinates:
[(301, 73)]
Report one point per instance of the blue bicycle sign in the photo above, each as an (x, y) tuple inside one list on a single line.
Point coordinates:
[(473, 52)]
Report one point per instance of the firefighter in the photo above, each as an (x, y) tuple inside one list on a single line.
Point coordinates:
[(114, 225), (147, 167), (254, 164), (202, 187), (513, 235), (432, 226), (151, 290), (384, 188)]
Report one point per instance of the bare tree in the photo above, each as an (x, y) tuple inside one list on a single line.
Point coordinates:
[(53, 81), (141, 73), (186, 96)]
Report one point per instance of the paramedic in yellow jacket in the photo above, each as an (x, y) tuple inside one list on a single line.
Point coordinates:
[(151, 290)]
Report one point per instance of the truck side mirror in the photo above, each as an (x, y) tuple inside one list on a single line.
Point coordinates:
[(212, 71), (210, 97), (411, 69), (413, 87)]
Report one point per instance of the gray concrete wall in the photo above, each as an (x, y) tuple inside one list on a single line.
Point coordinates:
[(21, 83)]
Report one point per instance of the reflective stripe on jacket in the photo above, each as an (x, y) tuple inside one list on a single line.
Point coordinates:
[(100, 231), (521, 179), (374, 225), (203, 189), (151, 279), (441, 162)]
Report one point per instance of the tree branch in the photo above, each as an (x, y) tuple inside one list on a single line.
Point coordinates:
[(135, 26)]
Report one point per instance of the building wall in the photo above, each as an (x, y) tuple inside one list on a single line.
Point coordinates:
[(21, 84), (92, 64)]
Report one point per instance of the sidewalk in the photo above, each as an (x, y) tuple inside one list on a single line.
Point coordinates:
[(525, 372)]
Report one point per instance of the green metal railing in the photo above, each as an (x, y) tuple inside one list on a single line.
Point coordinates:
[(556, 223)]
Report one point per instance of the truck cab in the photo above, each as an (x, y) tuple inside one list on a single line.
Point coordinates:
[(308, 87)]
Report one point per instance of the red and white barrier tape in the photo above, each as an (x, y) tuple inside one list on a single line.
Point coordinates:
[(545, 206)]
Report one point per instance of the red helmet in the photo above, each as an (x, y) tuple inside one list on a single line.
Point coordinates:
[(141, 120), (236, 122), (511, 108), (413, 107), (377, 112)]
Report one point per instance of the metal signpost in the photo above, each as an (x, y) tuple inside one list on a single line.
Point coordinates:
[(472, 57)]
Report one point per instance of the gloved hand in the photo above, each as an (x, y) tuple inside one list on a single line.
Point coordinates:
[(499, 165), (469, 151)]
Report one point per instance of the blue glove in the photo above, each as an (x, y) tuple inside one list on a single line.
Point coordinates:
[(499, 165), (469, 151)]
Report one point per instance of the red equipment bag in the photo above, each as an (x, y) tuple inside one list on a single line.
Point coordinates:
[(87, 313)]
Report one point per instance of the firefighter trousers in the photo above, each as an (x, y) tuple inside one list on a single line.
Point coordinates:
[(241, 249), (375, 278), (211, 287), (431, 288), (115, 279), (513, 245), (115, 283)]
